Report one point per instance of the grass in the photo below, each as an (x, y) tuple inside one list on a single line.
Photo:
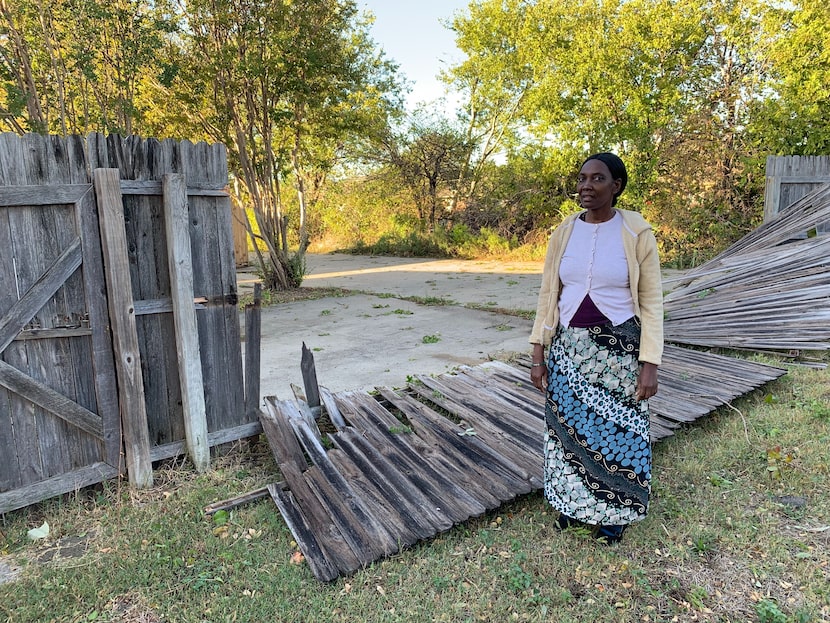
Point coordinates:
[(721, 543), (272, 297)]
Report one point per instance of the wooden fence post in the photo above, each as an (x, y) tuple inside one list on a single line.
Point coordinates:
[(122, 319), (179, 260), (253, 339)]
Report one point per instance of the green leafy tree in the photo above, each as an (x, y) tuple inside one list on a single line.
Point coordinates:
[(493, 81), (427, 157), (285, 86), (689, 92), (76, 66), (796, 58)]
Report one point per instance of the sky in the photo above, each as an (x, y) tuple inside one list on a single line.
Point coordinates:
[(412, 34)]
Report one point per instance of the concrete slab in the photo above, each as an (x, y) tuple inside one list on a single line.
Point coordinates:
[(376, 337)]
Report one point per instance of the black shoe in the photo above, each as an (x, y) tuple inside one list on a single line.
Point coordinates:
[(609, 534), (563, 522)]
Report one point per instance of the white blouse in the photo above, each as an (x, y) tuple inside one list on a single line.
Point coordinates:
[(594, 263)]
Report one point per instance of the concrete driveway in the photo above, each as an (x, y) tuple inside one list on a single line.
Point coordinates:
[(383, 332)]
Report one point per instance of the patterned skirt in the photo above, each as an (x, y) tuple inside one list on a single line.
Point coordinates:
[(597, 447)]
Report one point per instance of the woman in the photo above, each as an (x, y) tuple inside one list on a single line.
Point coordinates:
[(600, 311)]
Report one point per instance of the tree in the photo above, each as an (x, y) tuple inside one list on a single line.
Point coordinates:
[(494, 80), (78, 66), (427, 157), (285, 85), (674, 86), (793, 49)]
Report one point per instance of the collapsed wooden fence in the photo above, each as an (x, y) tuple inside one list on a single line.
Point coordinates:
[(398, 466), (767, 292)]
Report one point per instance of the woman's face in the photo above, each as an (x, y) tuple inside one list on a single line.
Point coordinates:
[(595, 186)]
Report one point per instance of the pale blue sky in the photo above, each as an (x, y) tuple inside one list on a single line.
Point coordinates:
[(411, 33)]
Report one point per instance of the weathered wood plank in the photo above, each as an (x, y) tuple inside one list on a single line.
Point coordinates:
[(48, 334), (523, 453), (281, 438), (369, 536), (44, 234), (377, 505), (24, 460), (340, 508), (154, 187), (163, 306), (150, 281), (48, 399), (9, 474), (215, 438), (187, 338), (51, 487), (253, 340), (304, 533), (125, 340), (410, 451), (524, 402), (417, 510), (233, 368), (309, 373), (441, 453), (240, 500), (332, 410), (490, 471), (219, 325), (217, 166), (331, 541), (9, 471), (456, 395), (38, 195)]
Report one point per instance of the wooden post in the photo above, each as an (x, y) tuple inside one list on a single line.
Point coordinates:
[(253, 333), (312, 390), (179, 260), (122, 319)]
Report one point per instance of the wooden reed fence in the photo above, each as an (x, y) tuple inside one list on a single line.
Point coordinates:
[(118, 313)]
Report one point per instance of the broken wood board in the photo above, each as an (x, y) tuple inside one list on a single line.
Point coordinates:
[(402, 465)]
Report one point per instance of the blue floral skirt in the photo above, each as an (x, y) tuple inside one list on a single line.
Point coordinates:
[(597, 447)]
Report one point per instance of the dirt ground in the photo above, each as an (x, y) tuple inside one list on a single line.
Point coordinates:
[(383, 334)]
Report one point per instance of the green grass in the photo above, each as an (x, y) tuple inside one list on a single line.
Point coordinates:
[(719, 544)]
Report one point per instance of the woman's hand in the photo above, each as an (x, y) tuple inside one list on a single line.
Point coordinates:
[(646, 381), (538, 369), (539, 376)]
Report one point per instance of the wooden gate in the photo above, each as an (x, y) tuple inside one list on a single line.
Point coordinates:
[(118, 311), (59, 417)]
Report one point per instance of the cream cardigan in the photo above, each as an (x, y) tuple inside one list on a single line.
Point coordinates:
[(644, 277)]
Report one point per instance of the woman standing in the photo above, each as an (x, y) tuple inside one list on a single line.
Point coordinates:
[(600, 312)]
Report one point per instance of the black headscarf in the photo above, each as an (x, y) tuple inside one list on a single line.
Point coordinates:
[(617, 168)]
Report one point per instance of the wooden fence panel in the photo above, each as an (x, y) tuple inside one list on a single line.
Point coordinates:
[(142, 165), (789, 178), (60, 427), (58, 413)]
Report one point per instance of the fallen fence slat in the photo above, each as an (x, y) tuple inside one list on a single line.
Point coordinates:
[(501, 480)]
